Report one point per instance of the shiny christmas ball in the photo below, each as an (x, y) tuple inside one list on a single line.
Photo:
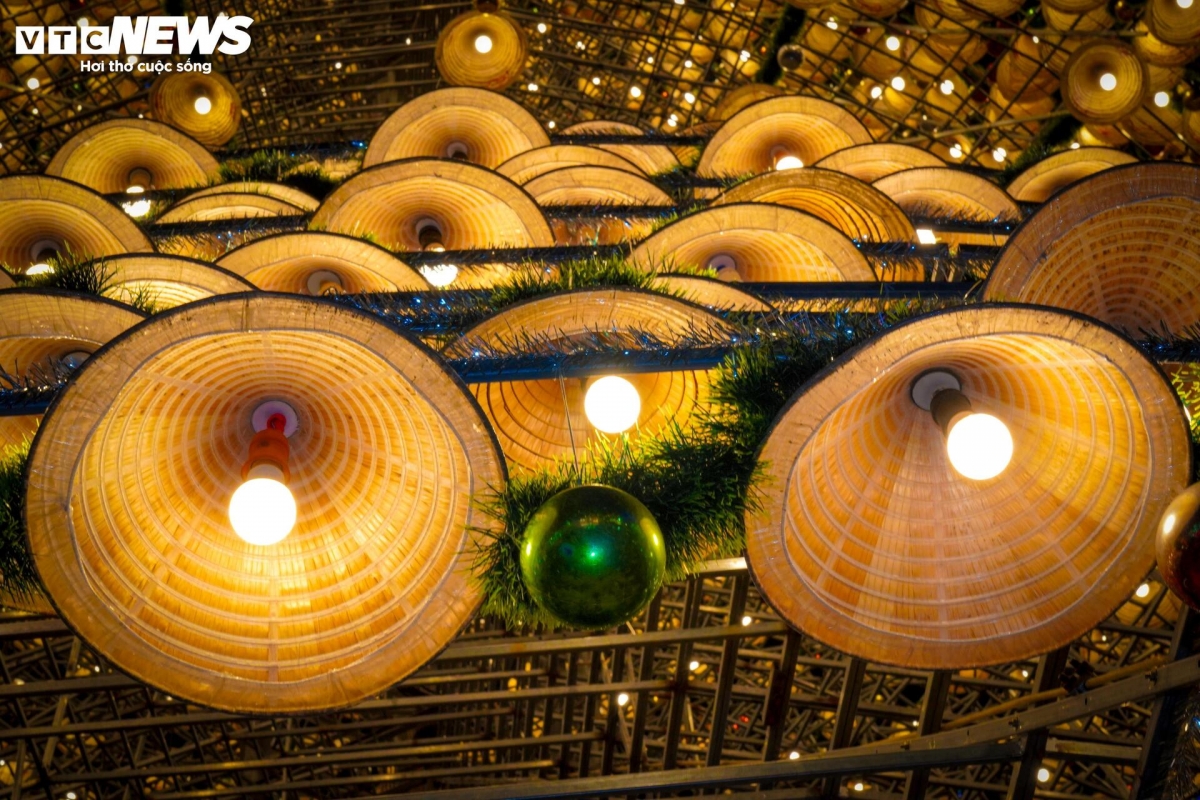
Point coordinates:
[(1178, 546), (593, 557)]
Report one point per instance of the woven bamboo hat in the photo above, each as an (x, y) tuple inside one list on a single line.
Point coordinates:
[(6, 281), (855, 208), (870, 162), (169, 281), (1116, 247), (40, 330), (868, 540), (40, 214), (482, 127), (1172, 22), (945, 192), (1155, 51), (754, 139), (312, 262), (597, 186), (649, 158), (755, 242), (472, 207), (1043, 179), (743, 96), (710, 293), (290, 195), (542, 421), (476, 48), (528, 165), (1073, 6), (112, 156), (180, 99), (133, 540), (1104, 81), (234, 204)]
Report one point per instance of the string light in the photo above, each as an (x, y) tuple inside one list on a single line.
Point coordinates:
[(551, 125), (999, 154), (533, 87), (689, 97), (792, 756), (876, 92), (744, 55), (596, 81), (898, 83), (893, 43), (832, 25), (1162, 99), (622, 699), (693, 666), (746, 620), (956, 151), (947, 86), (33, 83), (541, 28), (635, 92), (1143, 591), (1043, 775), (687, 64)]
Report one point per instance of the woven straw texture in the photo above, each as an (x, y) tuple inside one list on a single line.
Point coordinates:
[(944, 192), (1172, 23), (597, 186), (461, 64), (805, 127), (856, 209), (869, 541), (101, 157), (1081, 89), (173, 101), (524, 167), (766, 242), (870, 162), (284, 263), (170, 281), (745, 95), (712, 294), (542, 421), (650, 159), (279, 191), (35, 209), (6, 281), (228, 205), (1039, 182), (491, 127), (1119, 247), (134, 543), (474, 207)]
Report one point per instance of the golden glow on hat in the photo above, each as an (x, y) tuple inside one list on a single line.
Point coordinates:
[(104, 156)]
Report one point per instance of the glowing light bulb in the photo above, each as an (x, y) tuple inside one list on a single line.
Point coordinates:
[(202, 105), (596, 81), (483, 43), (551, 124), (1108, 81), (999, 154), (832, 25), (1184, 3), (1162, 99), (1043, 774), (858, 787), (876, 92), (947, 86), (136, 208), (744, 55), (956, 151), (622, 699), (898, 83), (440, 274), (135, 189), (746, 620), (541, 27), (788, 162), (926, 236), (979, 446), (635, 91), (41, 268), (693, 666), (892, 43), (533, 87), (262, 510), (687, 64), (1143, 591), (1074, 145), (689, 97), (792, 756), (612, 404), (33, 83)]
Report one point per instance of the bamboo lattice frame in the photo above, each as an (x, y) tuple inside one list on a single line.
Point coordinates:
[(869, 541), (134, 546)]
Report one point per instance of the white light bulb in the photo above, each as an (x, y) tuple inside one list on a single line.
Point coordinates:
[(1074, 145), (788, 162), (596, 81), (440, 274), (689, 97), (1162, 99), (876, 92), (40, 269), (1184, 3), (746, 620), (1043, 774), (1143, 591), (541, 27), (33, 83), (137, 208), (1108, 81), (999, 154), (693, 666), (622, 699), (135, 189), (551, 124), (893, 43), (262, 511), (635, 91), (956, 151), (898, 83), (947, 86), (979, 446), (926, 236), (533, 87), (612, 404), (483, 43), (793, 755), (831, 24), (744, 55), (687, 64), (202, 105), (858, 787)]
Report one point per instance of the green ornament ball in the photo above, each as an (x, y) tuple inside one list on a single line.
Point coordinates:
[(593, 557)]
